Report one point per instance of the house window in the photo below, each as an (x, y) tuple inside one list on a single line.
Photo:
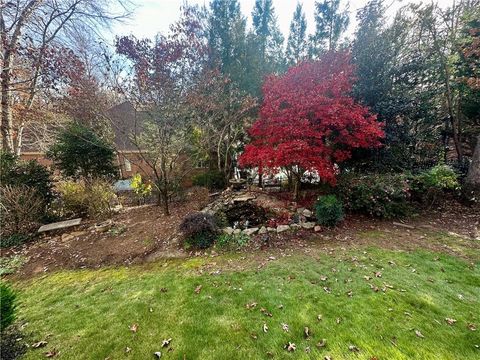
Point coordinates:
[(128, 165)]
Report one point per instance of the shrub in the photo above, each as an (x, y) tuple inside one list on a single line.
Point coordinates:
[(140, 188), (79, 152), (232, 240), (7, 305), (21, 212), (92, 198), (380, 195), (199, 230), (329, 210), (26, 173), (430, 184), (213, 180)]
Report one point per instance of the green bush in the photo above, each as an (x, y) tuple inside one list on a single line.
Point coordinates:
[(380, 195), (79, 152), (14, 172), (92, 198), (7, 305), (232, 240), (430, 184), (329, 210), (213, 180), (199, 230), (221, 219)]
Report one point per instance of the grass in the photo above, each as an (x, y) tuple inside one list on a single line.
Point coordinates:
[(86, 314)]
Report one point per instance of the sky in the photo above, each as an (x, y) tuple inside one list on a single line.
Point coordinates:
[(151, 17)]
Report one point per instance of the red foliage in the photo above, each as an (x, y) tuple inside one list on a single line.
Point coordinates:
[(309, 119)]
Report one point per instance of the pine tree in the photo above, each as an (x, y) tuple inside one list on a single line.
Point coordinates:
[(330, 24), (226, 38), (297, 43)]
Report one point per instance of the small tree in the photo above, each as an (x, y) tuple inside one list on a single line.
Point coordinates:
[(309, 121), (79, 152)]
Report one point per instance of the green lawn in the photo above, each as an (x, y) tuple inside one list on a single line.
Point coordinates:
[(87, 314)]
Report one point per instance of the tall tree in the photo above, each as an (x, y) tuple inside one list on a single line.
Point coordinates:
[(297, 47), (226, 38), (330, 24), (162, 75), (35, 38)]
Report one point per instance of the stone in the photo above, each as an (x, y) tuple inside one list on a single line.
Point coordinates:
[(103, 226), (295, 226), (228, 230), (308, 225), (60, 225), (317, 228), (307, 213), (282, 228), (263, 230), (250, 231), (300, 210), (78, 233), (243, 198), (237, 231)]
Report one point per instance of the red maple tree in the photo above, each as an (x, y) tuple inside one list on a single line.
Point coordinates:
[(309, 121)]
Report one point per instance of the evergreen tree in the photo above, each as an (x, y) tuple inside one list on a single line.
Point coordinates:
[(297, 44), (226, 38), (330, 23), (265, 42)]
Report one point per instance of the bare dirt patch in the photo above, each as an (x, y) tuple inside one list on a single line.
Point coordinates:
[(144, 234)]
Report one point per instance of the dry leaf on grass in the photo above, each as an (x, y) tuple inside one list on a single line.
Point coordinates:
[(353, 348), (290, 347), (133, 328), (166, 342), (198, 289), (158, 354), (51, 353), (39, 344), (322, 343), (419, 334), (265, 328), (285, 327), (450, 321), (306, 332)]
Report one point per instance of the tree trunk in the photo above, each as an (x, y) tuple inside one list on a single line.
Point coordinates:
[(473, 176), (166, 210), (7, 121)]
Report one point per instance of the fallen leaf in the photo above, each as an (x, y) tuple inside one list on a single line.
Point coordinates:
[(280, 306), (350, 293), (327, 357), (254, 336), (266, 312), (339, 320), (378, 274), (251, 305), (323, 278), (127, 349), (39, 344), (198, 289), (322, 343), (158, 354), (327, 290), (307, 349), (472, 327), (306, 332), (166, 342), (285, 327), (133, 328), (265, 328), (51, 353), (366, 277), (163, 290), (319, 317), (290, 346), (419, 334), (353, 348), (450, 321)]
